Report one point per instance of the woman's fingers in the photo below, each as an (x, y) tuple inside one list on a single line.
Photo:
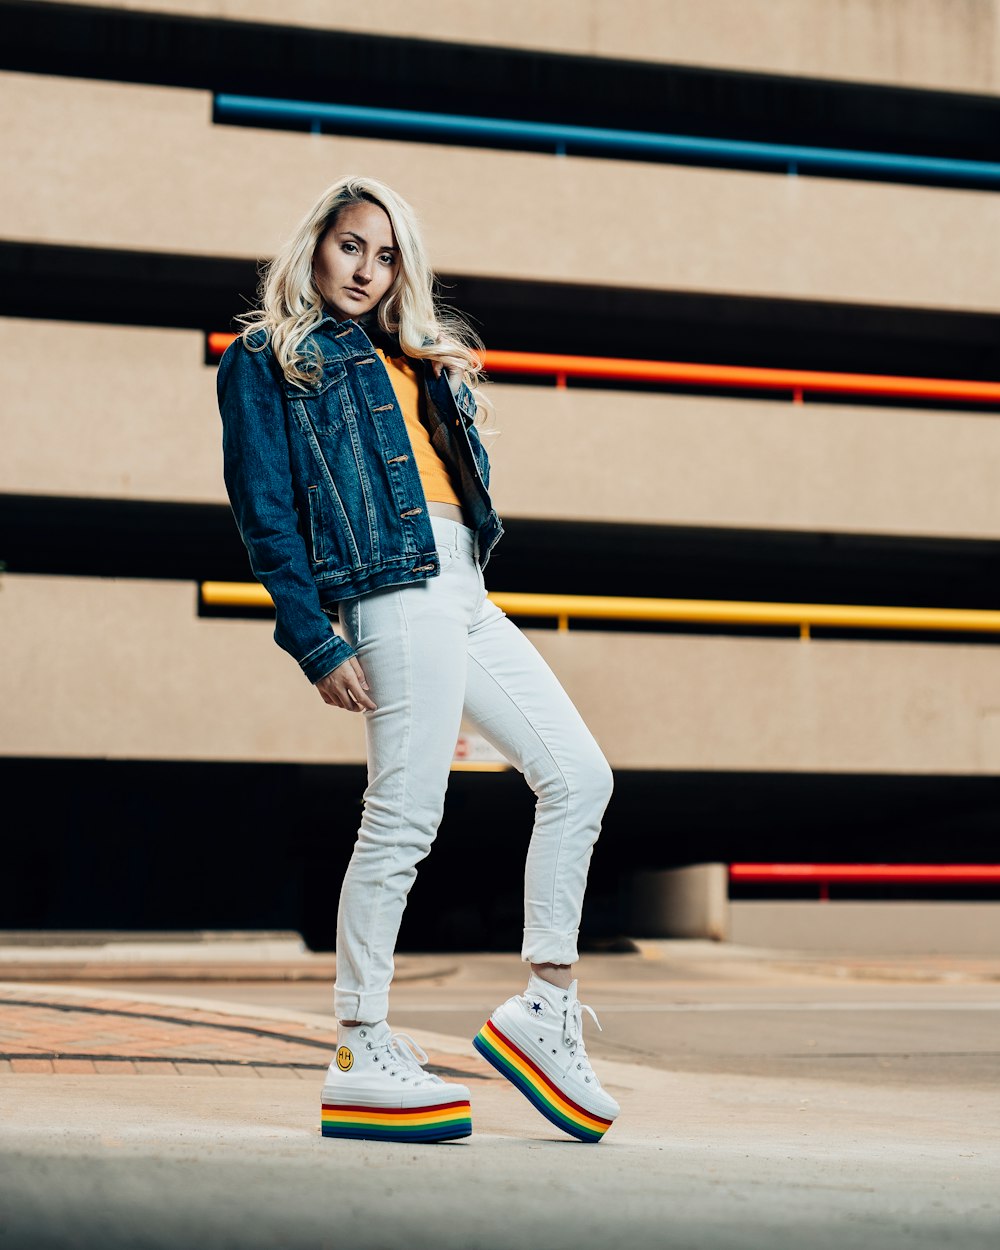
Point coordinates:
[(328, 694), (449, 370), (357, 684), (345, 687), (359, 672), (361, 697)]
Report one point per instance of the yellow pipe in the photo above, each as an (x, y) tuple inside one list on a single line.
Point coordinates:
[(235, 595), (732, 612), (479, 766)]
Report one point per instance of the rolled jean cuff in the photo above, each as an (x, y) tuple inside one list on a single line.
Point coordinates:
[(368, 1008), (549, 946)]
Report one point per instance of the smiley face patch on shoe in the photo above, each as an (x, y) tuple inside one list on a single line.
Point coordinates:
[(345, 1059)]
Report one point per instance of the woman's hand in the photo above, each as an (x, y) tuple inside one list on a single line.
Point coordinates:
[(453, 372), (346, 686), (453, 361)]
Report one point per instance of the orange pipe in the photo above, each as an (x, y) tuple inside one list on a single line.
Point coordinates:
[(740, 376), (218, 342), (744, 377)]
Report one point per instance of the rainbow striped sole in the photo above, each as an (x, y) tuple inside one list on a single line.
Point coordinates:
[(440, 1122), (510, 1061)]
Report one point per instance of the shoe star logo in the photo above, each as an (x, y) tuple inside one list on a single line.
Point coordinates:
[(345, 1060), (537, 1007)]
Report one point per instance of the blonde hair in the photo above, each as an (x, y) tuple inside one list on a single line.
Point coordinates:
[(292, 306)]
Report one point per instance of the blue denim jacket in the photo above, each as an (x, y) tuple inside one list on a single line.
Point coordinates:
[(324, 485)]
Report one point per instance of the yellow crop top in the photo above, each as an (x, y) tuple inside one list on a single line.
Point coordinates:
[(407, 384)]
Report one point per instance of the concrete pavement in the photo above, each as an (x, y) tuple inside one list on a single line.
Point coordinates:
[(735, 1131)]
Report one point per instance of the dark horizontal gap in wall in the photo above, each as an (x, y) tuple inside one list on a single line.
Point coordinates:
[(57, 535), (117, 286), (302, 63), (196, 292), (104, 856), (67, 536)]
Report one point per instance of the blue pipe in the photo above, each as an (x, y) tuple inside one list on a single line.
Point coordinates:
[(598, 140)]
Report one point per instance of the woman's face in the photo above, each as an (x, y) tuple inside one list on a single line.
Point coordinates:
[(356, 260)]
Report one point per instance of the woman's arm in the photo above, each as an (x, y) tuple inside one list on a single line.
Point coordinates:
[(258, 475)]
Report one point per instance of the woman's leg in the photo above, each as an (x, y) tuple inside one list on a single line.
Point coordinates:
[(535, 1039), (516, 702), (411, 642)]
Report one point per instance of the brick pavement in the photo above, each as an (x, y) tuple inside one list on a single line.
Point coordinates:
[(44, 1032)]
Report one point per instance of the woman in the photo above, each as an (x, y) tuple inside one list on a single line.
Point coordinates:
[(360, 486)]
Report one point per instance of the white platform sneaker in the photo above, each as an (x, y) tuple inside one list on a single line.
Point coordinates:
[(376, 1088), (535, 1040)]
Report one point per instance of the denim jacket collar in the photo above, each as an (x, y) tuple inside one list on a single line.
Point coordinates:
[(368, 322)]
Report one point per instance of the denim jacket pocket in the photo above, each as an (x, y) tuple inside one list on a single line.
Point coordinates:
[(318, 527), (324, 407)]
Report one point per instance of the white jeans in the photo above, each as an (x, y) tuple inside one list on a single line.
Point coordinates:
[(434, 651)]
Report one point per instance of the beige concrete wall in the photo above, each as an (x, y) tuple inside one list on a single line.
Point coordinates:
[(698, 460), (947, 44), (124, 669), (120, 412), (75, 423), (128, 166)]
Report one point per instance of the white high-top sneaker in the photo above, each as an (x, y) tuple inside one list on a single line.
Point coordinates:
[(535, 1040), (377, 1089)]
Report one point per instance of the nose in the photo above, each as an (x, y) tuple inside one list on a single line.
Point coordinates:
[(363, 271)]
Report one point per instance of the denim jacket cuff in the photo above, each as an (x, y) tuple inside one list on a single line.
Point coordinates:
[(326, 658)]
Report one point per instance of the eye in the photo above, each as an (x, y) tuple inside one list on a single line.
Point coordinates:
[(352, 246), (388, 258)]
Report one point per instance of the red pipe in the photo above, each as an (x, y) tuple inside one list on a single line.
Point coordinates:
[(932, 874)]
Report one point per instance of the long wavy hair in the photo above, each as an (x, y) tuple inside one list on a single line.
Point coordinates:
[(291, 305)]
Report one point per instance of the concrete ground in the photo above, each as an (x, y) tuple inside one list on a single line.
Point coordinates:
[(768, 1100)]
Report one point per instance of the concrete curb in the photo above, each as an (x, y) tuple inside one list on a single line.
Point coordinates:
[(167, 963), (308, 1020), (615, 1074)]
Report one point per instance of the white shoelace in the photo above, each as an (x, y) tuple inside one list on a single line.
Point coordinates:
[(574, 1035), (574, 1022), (410, 1056)]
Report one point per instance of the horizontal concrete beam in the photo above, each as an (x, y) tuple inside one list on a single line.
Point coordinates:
[(863, 928), (145, 167), (77, 425), (700, 460), (125, 669), (77, 420), (945, 44)]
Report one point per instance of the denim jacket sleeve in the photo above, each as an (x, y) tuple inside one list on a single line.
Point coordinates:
[(258, 475)]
